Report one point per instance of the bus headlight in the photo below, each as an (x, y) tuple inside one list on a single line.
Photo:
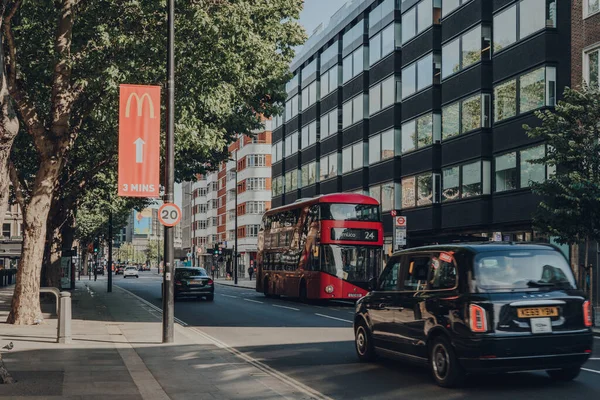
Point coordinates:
[(329, 289)]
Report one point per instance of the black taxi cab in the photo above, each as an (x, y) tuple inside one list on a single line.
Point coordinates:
[(476, 308)]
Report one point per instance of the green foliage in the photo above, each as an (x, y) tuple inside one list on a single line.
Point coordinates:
[(570, 205), (232, 59)]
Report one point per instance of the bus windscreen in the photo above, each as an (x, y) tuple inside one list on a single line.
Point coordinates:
[(350, 212)]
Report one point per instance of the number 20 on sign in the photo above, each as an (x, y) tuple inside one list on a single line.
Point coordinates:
[(169, 214)]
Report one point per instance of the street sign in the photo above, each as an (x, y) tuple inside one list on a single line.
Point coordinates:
[(169, 214), (393, 213), (139, 141), (399, 233)]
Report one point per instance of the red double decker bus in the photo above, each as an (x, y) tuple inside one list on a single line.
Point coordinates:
[(327, 247)]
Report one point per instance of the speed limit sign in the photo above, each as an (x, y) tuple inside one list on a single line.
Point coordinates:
[(169, 214)]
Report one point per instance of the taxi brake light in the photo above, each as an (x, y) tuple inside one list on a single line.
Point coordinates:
[(477, 319), (587, 313)]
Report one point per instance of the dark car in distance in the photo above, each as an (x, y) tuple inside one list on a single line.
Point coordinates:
[(477, 308), (193, 282), (99, 269)]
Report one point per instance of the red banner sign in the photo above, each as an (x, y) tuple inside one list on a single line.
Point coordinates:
[(139, 141)]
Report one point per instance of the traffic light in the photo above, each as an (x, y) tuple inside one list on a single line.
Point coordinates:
[(96, 245)]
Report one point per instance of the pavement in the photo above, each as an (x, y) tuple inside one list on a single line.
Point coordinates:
[(117, 354)]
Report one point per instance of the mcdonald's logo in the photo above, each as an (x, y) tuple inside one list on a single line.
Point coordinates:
[(140, 104)]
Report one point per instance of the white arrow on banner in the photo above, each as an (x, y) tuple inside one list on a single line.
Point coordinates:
[(139, 150)]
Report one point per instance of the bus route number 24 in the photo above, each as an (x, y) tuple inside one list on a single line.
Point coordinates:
[(169, 214)]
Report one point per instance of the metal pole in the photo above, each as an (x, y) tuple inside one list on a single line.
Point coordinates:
[(168, 301), (193, 230), (110, 239), (235, 233)]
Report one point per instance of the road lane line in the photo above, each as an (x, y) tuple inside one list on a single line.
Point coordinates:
[(180, 322), (289, 308), (227, 295), (254, 301), (337, 319), (590, 370), (313, 393), (594, 358)]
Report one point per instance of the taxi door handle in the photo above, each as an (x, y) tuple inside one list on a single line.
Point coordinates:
[(395, 308)]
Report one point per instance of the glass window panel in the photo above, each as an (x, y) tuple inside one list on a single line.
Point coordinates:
[(505, 28), (450, 120), (450, 183), (471, 180), (333, 122), (424, 15), (387, 196), (294, 179), (347, 114), (506, 172), (532, 90), (409, 136), (312, 173), (324, 168), (375, 49), (333, 164), (375, 192), (324, 126), (387, 144), (358, 108), (424, 189), (388, 89), (294, 138), (448, 6), (409, 24), (358, 61), (532, 172), (408, 192), (471, 47), (533, 17), (425, 72), (451, 58), (593, 69), (505, 102), (471, 113), (374, 149), (346, 160), (409, 80), (425, 131), (333, 78), (374, 99), (312, 133), (387, 40), (593, 6), (324, 84), (329, 54), (357, 156), (347, 65), (304, 176)]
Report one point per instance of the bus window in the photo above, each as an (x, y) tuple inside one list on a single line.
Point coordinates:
[(350, 212)]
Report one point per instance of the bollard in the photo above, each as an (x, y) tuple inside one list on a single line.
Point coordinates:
[(64, 318)]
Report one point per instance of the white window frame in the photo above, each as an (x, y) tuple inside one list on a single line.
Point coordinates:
[(585, 9), (595, 48)]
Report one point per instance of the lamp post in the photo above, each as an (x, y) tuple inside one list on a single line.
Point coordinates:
[(235, 232)]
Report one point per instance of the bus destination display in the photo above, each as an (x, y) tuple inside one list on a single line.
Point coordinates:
[(367, 235)]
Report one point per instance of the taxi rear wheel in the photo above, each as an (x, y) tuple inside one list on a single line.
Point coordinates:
[(565, 374)]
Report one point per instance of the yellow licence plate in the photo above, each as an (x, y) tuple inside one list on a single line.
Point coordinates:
[(537, 312)]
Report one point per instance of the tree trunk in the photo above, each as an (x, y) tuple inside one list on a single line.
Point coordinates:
[(9, 128), (585, 264), (575, 261), (84, 257), (25, 307)]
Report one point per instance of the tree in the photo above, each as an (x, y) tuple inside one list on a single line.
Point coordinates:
[(570, 205), (232, 63)]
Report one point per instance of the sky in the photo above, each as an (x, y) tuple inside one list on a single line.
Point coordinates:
[(314, 12), (317, 11)]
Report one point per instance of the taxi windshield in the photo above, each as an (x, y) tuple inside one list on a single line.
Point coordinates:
[(522, 269)]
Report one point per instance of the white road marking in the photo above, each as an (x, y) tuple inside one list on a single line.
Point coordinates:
[(591, 370), (289, 308), (594, 358), (337, 319), (226, 295), (254, 301)]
